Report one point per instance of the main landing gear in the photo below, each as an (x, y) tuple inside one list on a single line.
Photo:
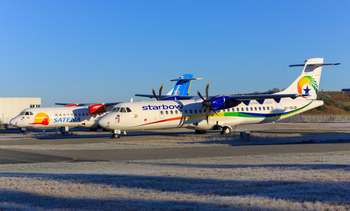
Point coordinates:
[(225, 131)]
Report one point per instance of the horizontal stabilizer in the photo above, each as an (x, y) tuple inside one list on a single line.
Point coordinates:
[(316, 64), (186, 79), (345, 90)]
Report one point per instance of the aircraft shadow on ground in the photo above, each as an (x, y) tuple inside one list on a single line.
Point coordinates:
[(335, 192), (279, 166), (235, 139)]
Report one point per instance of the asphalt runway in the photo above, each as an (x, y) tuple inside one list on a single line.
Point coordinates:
[(19, 156), (37, 156)]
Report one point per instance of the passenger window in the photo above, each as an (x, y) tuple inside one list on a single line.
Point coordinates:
[(56, 115), (128, 109), (166, 112), (190, 111), (161, 112), (255, 108), (251, 108), (264, 108), (199, 111), (268, 108), (259, 108), (87, 114), (78, 114), (185, 111), (123, 110), (242, 109), (233, 109), (175, 111), (60, 114), (171, 111), (246, 108), (64, 114), (195, 111)]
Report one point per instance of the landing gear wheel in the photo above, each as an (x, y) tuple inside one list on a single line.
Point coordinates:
[(200, 131), (115, 136), (225, 131), (23, 131)]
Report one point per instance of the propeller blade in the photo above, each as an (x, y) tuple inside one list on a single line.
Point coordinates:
[(160, 92), (207, 91), (215, 112), (214, 97), (199, 94), (207, 115), (154, 93)]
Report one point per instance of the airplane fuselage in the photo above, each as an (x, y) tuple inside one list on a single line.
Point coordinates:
[(55, 117), (190, 114)]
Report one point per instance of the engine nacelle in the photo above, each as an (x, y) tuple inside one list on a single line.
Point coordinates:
[(97, 108)]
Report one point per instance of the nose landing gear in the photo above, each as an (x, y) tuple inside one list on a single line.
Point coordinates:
[(116, 134)]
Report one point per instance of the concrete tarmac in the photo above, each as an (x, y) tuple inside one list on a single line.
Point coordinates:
[(19, 156), (197, 152), (37, 156)]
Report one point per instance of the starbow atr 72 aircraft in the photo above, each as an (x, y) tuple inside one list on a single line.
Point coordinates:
[(225, 112), (80, 115)]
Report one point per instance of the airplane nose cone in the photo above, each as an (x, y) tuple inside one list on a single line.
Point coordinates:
[(13, 121), (103, 122)]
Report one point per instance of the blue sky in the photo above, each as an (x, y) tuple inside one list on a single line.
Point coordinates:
[(107, 51)]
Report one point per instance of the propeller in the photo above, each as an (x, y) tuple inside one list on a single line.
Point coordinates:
[(160, 92), (207, 102)]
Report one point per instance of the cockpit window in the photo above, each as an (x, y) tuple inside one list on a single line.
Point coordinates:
[(123, 110), (27, 113), (22, 113), (116, 109), (128, 109), (30, 113)]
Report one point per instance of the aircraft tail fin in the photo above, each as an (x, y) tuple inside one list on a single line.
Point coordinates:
[(183, 85), (309, 80)]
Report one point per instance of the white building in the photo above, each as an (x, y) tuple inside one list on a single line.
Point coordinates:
[(11, 107)]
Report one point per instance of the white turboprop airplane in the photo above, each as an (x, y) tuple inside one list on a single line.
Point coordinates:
[(225, 112), (80, 115)]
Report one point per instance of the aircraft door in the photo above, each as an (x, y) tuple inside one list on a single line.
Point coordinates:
[(277, 109)]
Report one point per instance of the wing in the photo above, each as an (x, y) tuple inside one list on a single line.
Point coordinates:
[(265, 96), (94, 108), (167, 97), (223, 102)]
